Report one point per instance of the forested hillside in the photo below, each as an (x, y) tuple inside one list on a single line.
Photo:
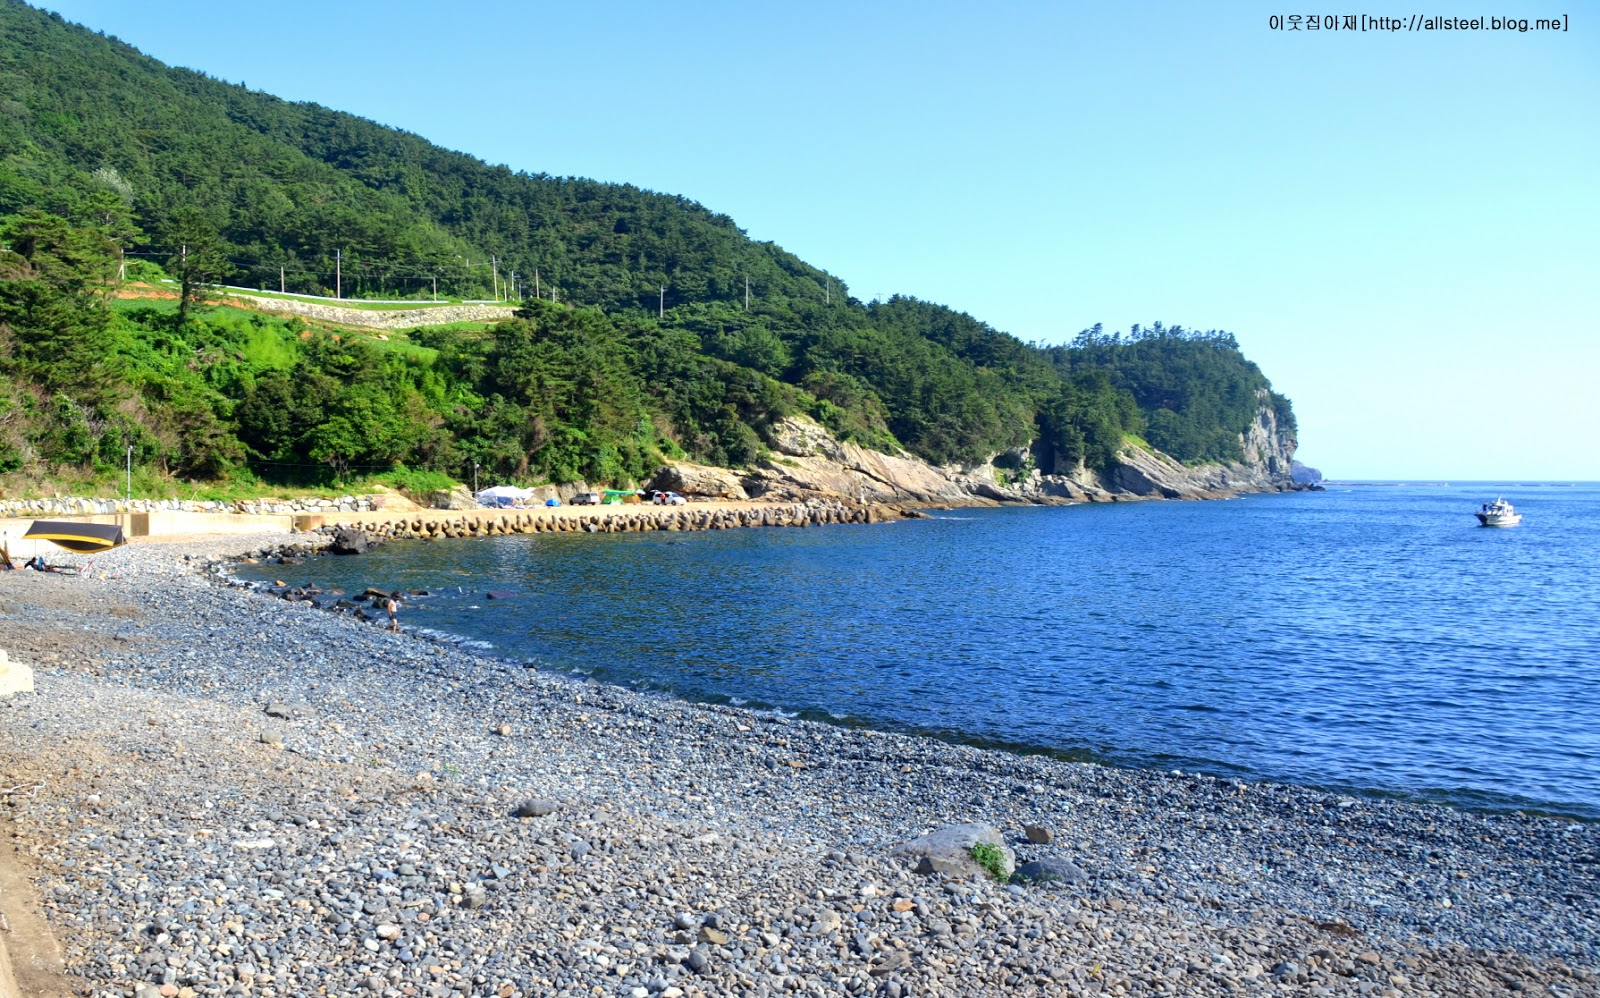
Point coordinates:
[(111, 163)]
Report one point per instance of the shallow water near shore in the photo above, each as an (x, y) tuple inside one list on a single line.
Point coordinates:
[(1368, 637)]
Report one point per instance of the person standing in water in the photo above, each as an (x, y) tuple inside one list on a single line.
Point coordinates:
[(393, 606)]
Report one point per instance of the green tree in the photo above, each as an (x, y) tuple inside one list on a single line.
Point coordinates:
[(198, 257), (52, 305)]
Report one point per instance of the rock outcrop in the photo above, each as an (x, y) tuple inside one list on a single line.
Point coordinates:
[(459, 497), (699, 480), (1304, 473), (808, 461)]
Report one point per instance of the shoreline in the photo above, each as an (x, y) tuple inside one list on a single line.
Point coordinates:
[(365, 609), (764, 832), (182, 518)]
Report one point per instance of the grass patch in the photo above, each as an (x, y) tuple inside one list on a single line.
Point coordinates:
[(991, 857)]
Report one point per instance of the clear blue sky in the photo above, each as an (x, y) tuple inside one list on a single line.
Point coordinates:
[(1399, 228)]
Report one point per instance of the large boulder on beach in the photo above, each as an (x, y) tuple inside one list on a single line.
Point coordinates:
[(348, 540), (948, 850), (698, 480), (392, 501), (459, 497), (566, 490)]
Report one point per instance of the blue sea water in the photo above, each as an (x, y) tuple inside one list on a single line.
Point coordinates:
[(1368, 638)]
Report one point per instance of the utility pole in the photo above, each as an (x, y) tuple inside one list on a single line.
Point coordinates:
[(747, 294), (338, 273), (281, 284), (494, 267), (435, 287), (536, 282), (661, 310), (130, 475), (827, 292)]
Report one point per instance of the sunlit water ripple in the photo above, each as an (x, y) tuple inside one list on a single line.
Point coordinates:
[(1371, 638)]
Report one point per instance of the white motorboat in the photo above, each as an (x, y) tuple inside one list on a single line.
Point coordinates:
[(1498, 514)]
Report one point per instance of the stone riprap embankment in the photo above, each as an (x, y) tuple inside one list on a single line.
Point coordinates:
[(217, 792), (398, 318), (82, 506)]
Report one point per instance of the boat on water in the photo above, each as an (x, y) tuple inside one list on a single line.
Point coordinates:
[(1498, 514)]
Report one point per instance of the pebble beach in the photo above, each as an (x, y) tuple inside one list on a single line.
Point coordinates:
[(212, 791)]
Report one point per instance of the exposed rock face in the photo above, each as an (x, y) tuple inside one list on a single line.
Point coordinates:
[(459, 497), (809, 461), (699, 480), (1304, 474), (541, 494), (393, 501)]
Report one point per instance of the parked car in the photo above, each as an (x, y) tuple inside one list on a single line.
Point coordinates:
[(585, 499), (668, 499)]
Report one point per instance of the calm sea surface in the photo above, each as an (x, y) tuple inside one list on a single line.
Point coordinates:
[(1368, 637)]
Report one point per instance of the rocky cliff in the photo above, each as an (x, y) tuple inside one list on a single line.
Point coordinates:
[(807, 461)]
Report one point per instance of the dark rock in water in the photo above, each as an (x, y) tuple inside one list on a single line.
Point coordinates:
[(534, 808), (347, 540), (371, 592), (501, 594)]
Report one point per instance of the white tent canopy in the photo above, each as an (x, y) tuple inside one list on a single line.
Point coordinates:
[(504, 492)]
